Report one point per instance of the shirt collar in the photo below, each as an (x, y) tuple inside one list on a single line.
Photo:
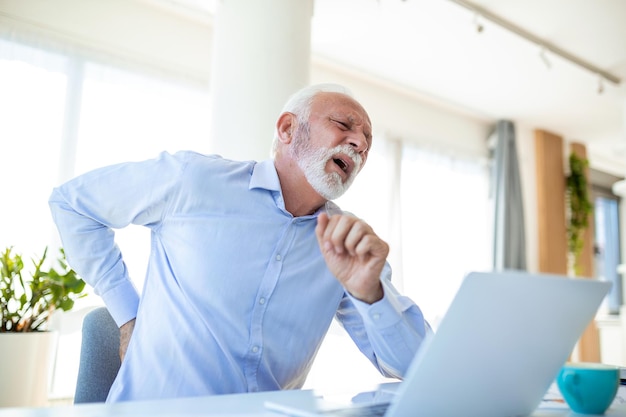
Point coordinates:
[(264, 175)]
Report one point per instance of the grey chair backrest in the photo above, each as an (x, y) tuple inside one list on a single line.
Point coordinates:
[(99, 357)]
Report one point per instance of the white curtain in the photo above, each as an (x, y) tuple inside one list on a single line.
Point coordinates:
[(445, 226)]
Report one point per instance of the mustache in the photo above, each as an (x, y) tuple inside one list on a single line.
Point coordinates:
[(349, 151)]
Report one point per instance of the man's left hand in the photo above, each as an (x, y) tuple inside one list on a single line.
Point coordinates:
[(353, 253)]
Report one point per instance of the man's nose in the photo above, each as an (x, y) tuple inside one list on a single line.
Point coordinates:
[(358, 141)]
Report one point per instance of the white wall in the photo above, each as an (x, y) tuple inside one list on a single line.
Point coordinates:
[(127, 32)]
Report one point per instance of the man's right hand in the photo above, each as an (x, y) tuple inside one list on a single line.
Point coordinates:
[(126, 331)]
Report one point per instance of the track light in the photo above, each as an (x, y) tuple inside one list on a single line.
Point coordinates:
[(554, 50), (600, 84), (479, 26), (544, 58)]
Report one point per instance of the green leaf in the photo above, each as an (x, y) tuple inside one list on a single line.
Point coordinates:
[(28, 299)]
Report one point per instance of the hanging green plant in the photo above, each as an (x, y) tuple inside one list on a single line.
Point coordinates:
[(580, 208)]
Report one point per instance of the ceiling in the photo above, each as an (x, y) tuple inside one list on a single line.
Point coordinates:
[(433, 49)]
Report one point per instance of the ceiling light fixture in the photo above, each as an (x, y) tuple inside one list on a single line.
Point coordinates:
[(600, 84), (606, 76), (544, 58), (479, 26)]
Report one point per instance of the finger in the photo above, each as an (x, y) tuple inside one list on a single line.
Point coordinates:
[(372, 246), (358, 231), (322, 222), (338, 230), (320, 229)]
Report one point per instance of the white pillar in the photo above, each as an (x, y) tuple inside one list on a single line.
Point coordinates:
[(261, 55)]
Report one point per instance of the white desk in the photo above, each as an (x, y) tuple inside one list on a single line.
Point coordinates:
[(236, 404), (224, 405)]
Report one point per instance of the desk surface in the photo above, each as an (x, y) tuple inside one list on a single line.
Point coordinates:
[(236, 404), (223, 405)]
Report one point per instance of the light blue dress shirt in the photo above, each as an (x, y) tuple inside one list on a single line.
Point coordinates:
[(237, 296)]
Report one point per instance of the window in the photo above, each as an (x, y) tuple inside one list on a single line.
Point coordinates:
[(446, 226), (126, 116), (62, 116), (607, 245), (32, 108)]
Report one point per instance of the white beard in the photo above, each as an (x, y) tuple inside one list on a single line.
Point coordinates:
[(313, 163)]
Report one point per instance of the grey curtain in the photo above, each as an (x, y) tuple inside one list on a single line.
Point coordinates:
[(509, 243)]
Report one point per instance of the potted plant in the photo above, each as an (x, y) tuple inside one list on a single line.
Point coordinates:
[(579, 207), (28, 297)]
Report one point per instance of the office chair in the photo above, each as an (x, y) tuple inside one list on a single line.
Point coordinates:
[(99, 357)]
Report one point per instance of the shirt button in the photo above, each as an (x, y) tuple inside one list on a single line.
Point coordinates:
[(255, 349), (376, 316), (278, 258), (261, 300)]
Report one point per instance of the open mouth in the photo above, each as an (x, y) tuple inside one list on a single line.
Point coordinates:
[(343, 165)]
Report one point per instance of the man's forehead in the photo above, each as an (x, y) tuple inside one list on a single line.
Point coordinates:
[(338, 104)]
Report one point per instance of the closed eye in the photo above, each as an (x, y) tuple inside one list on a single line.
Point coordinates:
[(343, 125)]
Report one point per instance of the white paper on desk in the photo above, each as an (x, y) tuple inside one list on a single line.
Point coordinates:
[(553, 399)]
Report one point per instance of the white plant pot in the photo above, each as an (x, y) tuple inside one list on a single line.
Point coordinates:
[(26, 368)]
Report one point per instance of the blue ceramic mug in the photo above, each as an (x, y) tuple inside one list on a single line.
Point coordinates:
[(588, 388)]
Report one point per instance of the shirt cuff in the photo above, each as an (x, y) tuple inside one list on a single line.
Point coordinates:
[(384, 313), (122, 302)]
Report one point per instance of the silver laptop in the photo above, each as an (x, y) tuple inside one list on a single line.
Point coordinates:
[(496, 351)]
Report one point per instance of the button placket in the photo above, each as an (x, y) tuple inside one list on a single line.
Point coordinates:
[(266, 287)]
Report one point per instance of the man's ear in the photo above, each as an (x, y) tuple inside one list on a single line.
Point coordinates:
[(285, 126)]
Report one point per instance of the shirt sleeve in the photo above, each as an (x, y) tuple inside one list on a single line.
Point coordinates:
[(389, 332), (88, 208)]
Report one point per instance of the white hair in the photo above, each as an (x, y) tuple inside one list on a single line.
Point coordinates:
[(301, 101)]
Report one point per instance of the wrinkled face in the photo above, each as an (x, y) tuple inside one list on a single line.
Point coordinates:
[(332, 148)]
